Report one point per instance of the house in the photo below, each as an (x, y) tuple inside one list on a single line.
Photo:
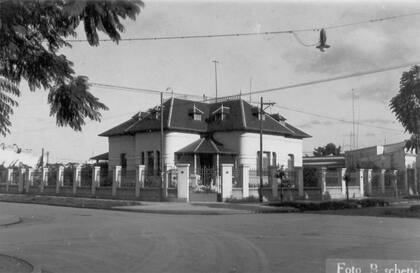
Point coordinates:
[(205, 135)]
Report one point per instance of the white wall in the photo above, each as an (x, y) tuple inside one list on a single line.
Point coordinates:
[(248, 144), (175, 141)]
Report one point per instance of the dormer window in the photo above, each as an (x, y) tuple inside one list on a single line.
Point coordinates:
[(196, 113), (256, 112), (221, 112)]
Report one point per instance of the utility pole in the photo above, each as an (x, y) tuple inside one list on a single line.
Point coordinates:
[(215, 75), (261, 116), (162, 180), (354, 135)]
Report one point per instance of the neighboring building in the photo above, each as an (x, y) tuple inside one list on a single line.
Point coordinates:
[(13, 156), (204, 135)]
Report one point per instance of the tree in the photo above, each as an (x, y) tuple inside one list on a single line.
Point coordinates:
[(406, 105), (329, 149), (31, 35)]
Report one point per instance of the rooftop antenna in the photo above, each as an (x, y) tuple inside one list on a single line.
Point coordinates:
[(250, 89), (215, 75)]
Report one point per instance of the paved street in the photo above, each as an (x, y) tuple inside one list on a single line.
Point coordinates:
[(60, 239)]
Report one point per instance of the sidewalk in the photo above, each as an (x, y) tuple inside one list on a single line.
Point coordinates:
[(203, 208)]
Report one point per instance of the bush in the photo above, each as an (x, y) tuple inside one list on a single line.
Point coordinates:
[(331, 205), (249, 199), (365, 203)]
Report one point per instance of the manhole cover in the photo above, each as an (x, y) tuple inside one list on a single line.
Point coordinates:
[(10, 264)]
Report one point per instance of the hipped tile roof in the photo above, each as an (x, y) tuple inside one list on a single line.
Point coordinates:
[(177, 116)]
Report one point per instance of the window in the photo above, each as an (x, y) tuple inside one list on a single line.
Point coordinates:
[(197, 116), (142, 158), (150, 162), (123, 162), (290, 162)]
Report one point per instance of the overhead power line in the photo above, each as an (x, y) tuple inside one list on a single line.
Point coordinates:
[(352, 75), (291, 31)]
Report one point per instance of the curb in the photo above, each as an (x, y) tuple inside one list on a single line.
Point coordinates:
[(11, 220)]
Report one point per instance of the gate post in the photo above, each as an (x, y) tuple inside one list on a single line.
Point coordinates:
[(77, 178), (116, 180), (226, 181), (22, 174), (139, 179), (96, 178), (244, 178), (9, 178), (183, 187), (60, 179), (341, 174)]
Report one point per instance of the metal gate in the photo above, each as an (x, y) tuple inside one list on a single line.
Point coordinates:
[(205, 185)]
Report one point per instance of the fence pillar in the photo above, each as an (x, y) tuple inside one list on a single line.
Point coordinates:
[(394, 180), (9, 179), (417, 181), (382, 181), (116, 180), (299, 179), (342, 182), (183, 188), (360, 181), (368, 180), (244, 179), (22, 174), (60, 179), (275, 187), (226, 181), (323, 181), (44, 181), (405, 181), (77, 178), (140, 170), (29, 179), (96, 178)]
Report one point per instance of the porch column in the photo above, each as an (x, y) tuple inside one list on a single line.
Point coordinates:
[(140, 169), (116, 180), (382, 181), (44, 181), (322, 181), (29, 179), (183, 187), (226, 181), (77, 178), (22, 174), (96, 178), (244, 178), (60, 179), (368, 179)]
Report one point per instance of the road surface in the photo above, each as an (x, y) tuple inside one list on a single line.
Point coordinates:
[(60, 239)]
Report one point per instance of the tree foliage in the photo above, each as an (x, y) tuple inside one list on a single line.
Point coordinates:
[(31, 35), (406, 104), (329, 149)]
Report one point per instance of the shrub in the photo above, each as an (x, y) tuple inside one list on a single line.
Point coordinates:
[(249, 199), (365, 203)]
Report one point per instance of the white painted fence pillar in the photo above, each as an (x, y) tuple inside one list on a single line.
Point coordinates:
[(394, 181), (77, 178), (29, 179), (60, 179), (360, 181), (368, 180), (183, 188), (382, 181), (9, 179), (226, 181), (299, 179), (44, 181), (22, 174), (140, 176), (116, 180), (244, 178), (341, 174), (323, 181), (96, 179)]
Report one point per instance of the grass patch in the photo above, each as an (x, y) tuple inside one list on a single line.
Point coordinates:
[(331, 205)]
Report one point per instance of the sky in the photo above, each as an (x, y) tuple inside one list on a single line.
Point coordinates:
[(325, 110)]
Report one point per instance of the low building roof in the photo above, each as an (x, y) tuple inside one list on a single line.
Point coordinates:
[(103, 156), (204, 146)]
